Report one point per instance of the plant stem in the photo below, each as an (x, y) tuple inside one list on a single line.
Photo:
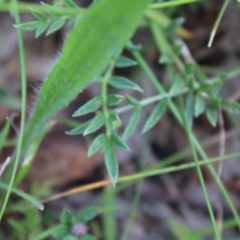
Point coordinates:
[(23, 110)]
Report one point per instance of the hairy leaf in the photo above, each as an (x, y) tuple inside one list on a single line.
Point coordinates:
[(112, 23)]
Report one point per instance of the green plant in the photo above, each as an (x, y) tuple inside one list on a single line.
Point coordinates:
[(189, 93)]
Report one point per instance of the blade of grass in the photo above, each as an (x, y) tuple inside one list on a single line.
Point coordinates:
[(216, 25), (199, 172), (23, 110), (171, 3)]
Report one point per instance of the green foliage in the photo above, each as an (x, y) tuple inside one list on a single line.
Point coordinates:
[(104, 30), (73, 226)]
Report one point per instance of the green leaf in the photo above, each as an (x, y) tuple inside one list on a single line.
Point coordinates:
[(156, 115), (41, 29), (114, 99), (118, 142), (86, 215), (55, 26), (70, 237), (191, 82), (188, 68), (133, 47), (79, 63), (88, 237), (17, 226), (199, 105), (132, 124), (212, 115), (97, 144), (61, 231), (177, 85), (164, 59), (215, 89), (29, 26), (114, 120), (96, 123), (70, 3), (190, 108), (4, 133), (80, 129), (23, 195), (39, 15), (228, 106), (133, 101), (123, 62), (66, 216), (175, 25), (111, 162), (89, 107), (123, 83)]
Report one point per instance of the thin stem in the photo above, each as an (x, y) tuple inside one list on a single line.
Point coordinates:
[(199, 172), (171, 3), (137, 176), (23, 110), (216, 25), (104, 95)]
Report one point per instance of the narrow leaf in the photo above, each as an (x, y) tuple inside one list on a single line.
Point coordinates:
[(55, 26), (86, 215), (89, 107), (66, 216), (114, 120), (111, 162), (96, 123), (156, 115), (164, 59), (212, 115), (61, 231), (41, 29), (118, 142), (80, 129), (114, 99), (97, 144), (132, 124), (228, 106), (70, 3), (29, 26), (23, 195), (133, 101), (177, 85), (4, 133), (39, 15), (123, 83), (190, 108), (123, 62), (199, 105)]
